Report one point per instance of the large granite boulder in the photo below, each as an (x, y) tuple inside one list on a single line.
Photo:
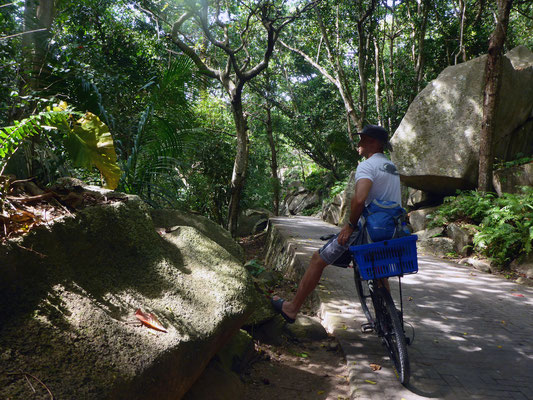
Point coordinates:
[(167, 219), (69, 293), (436, 146)]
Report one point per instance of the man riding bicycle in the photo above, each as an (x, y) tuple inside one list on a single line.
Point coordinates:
[(376, 179)]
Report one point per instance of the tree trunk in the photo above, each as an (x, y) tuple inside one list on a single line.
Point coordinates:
[(38, 16), (273, 162), (423, 12), (377, 83), (490, 95), (241, 162), (461, 17)]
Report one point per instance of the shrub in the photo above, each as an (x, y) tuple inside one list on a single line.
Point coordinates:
[(505, 223)]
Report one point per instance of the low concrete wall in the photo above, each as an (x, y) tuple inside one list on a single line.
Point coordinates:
[(290, 244)]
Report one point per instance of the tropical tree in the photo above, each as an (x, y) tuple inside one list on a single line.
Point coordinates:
[(227, 45)]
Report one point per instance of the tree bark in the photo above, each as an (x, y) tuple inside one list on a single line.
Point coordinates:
[(273, 162), (490, 95), (241, 162), (38, 17), (423, 12), (377, 82), (461, 17)]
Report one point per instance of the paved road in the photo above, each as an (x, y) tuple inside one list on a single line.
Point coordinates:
[(473, 331)]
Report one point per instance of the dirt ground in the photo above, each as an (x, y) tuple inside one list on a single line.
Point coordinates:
[(295, 369)]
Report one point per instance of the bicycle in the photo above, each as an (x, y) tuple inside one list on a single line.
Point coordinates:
[(372, 263)]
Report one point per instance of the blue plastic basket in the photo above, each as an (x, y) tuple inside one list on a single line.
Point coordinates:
[(388, 258)]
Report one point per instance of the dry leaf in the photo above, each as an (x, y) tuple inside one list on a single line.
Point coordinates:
[(375, 367), (369, 381), (150, 320)]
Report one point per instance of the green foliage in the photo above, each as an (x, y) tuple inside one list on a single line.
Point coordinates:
[(87, 140), (255, 267), (12, 137), (505, 223), (520, 160)]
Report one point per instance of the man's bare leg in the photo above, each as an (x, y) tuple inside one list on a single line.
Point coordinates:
[(307, 285)]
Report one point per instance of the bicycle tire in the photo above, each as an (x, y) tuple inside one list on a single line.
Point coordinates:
[(391, 331), (363, 292)]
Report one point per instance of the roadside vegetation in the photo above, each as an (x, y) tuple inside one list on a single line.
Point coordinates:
[(503, 225)]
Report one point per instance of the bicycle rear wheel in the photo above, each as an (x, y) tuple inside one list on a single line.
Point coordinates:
[(391, 331), (363, 292)]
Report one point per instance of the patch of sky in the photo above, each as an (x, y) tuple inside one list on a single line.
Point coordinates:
[(301, 79)]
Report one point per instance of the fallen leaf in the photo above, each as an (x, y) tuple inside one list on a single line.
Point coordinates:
[(320, 392), (410, 298), (304, 355), (150, 320), (500, 347), (375, 367), (517, 295), (369, 381)]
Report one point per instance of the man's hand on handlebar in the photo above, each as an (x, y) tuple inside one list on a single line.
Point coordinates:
[(345, 234)]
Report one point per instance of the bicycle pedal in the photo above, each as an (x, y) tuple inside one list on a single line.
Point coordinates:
[(367, 328)]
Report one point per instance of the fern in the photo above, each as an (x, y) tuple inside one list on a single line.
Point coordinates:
[(505, 223), (11, 137)]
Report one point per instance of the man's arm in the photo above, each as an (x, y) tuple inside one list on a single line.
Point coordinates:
[(362, 189)]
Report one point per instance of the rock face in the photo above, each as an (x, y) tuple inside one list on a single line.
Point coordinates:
[(252, 221), (347, 200), (509, 180), (298, 199), (168, 219), (436, 146), (331, 212), (69, 292)]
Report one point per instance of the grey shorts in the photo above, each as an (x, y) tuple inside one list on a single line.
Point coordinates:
[(333, 253)]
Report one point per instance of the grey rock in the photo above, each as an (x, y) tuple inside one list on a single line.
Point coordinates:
[(252, 221), (67, 308), (509, 180), (524, 266), (430, 233), (307, 328), (436, 146), (295, 202), (216, 383), (461, 237), (168, 219), (480, 264), (419, 219), (347, 195), (271, 332), (438, 246)]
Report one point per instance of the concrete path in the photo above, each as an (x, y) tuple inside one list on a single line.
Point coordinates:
[(473, 331)]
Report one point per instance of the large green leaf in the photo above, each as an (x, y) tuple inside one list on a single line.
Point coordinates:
[(90, 143)]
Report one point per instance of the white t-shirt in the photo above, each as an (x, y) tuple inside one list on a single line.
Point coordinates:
[(384, 176)]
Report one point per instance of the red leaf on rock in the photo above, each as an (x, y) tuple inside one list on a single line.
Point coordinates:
[(517, 295), (150, 320)]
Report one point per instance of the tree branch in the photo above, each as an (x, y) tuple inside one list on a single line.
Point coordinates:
[(204, 69), (321, 69)]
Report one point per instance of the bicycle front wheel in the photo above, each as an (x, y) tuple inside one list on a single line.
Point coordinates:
[(390, 328), (363, 291)]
